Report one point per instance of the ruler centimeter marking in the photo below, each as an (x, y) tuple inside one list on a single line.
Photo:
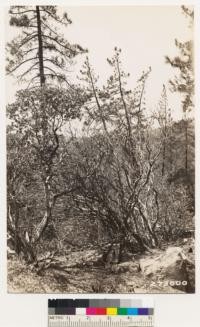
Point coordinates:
[(95, 321)]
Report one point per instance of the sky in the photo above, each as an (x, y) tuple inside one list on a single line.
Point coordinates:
[(145, 34)]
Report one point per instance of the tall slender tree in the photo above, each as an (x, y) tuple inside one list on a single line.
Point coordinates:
[(164, 118), (40, 52), (184, 83)]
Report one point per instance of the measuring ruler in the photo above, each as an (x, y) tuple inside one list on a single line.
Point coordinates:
[(100, 321), (101, 313)]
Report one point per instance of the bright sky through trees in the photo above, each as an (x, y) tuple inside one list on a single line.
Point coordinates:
[(144, 33)]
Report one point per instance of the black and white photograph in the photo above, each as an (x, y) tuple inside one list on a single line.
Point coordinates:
[(100, 149)]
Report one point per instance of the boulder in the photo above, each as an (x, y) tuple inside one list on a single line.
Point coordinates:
[(171, 267)]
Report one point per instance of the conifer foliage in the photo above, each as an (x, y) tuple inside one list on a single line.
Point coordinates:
[(40, 52)]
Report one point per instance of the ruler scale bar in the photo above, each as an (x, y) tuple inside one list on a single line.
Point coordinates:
[(100, 313), (95, 321)]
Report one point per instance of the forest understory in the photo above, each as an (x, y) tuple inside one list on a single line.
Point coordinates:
[(83, 272), (100, 175)]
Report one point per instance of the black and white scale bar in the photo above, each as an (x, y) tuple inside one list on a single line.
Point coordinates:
[(97, 321)]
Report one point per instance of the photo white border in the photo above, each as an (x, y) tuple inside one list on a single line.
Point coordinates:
[(30, 310)]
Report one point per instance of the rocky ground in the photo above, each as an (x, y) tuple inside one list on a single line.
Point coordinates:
[(170, 270)]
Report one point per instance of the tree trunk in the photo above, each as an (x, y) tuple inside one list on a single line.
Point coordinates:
[(40, 47), (23, 249), (163, 158), (186, 145), (41, 227), (147, 224)]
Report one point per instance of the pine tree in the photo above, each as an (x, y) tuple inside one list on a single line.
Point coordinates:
[(184, 83), (165, 122), (40, 52)]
